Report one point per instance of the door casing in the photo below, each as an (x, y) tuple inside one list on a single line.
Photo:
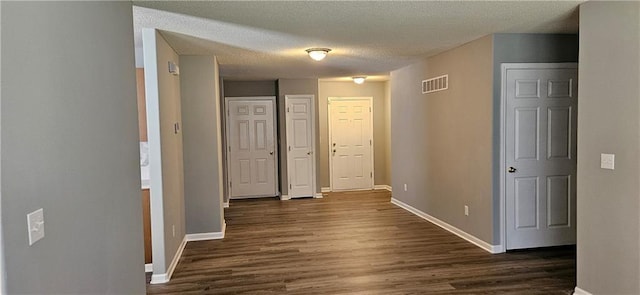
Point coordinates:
[(312, 118), (227, 146), (370, 100), (503, 132)]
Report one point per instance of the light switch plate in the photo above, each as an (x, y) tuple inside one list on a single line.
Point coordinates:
[(607, 161), (35, 226)]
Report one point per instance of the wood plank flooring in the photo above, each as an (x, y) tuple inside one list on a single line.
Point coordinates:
[(355, 243)]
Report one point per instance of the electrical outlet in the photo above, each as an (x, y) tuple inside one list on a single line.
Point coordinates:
[(466, 210), (405, 187), (173, 229), (607, 161), (35, 226)]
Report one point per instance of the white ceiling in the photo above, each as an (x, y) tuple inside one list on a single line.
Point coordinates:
[(266, 39)]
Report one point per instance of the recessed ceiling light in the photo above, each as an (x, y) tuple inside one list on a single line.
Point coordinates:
[(318, 54), (359, 80)]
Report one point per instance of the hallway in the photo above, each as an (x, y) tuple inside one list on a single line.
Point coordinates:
[(355, 242)]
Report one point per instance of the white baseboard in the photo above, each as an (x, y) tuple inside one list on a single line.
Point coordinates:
[(325, 189), (454, 230), (318, 196), (578, 291), (225, 204), (148, 267), (382, 186), (207, 236), (165, 277), (285, 198)]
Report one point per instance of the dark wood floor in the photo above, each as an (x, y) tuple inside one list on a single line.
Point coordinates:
[(355, 243)]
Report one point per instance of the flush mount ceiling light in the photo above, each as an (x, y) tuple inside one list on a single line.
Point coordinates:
[(359, 80), (318, 54)]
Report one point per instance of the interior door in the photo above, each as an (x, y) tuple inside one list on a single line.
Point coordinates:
[(300, 145), (351, 143), (251, 158), (541, 121)]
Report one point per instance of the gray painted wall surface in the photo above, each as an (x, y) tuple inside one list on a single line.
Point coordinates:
[(376, 90), (441, 142), (521, 48), (70, 146), (200, 130), (162, 91), (291, 87), (608, 260), (250, 88)]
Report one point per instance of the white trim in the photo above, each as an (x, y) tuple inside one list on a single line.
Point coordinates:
[(318, 196), (357, 98), (285, 198), (325, 189), (382, 187), (578, 291), (274, 105), (314, 131), (207, 236), (148, 267), (225, 204), (165, 277), (452, 229), (503, 132)]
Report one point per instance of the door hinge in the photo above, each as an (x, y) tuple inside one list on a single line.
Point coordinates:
[(287, 109), (229, 148), (289, 186), (289, 148), (370, 141), (230, 184), (371, 174), (369, 109)]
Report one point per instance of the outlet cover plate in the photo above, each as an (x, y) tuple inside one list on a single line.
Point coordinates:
[(35, 226), (607, 161)]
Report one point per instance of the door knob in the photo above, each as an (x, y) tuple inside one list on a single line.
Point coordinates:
[(271, 153), (334, 144), (511, 170), (309, 153)]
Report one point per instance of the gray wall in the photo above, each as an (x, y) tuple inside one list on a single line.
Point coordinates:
[(441, 142), (522, 48), (377, 90), (200, 109), (70, 146), (162, 91), (250, 88), (608, 260), (292, 87)]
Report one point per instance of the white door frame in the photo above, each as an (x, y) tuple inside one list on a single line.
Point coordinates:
[(227, 147), (503, 132), (313, 137), (373, 170)]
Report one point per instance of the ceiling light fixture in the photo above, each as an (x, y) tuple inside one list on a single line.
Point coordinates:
[(318, 54), (359, 80)]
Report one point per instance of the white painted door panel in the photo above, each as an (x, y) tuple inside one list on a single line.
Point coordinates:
[(351, 144), (300, 145), (251, 148), (541, 121)]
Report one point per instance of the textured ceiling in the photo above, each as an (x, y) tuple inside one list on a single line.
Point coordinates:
[(266, 40)]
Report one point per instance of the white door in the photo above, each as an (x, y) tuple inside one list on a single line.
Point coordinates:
[(351, 143), (251, 146), (300, 145), (541, 120)]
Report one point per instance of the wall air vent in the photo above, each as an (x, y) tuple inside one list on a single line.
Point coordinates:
[(435, 84)]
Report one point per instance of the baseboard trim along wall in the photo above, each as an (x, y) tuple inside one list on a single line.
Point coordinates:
[(165, 277), (284, 197), (493, 249), (382, 186), (207, 236), (325, 189), (579, 291), (318, 196), (148, 267)]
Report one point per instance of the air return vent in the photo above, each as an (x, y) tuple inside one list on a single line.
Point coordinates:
[(435, 84)]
